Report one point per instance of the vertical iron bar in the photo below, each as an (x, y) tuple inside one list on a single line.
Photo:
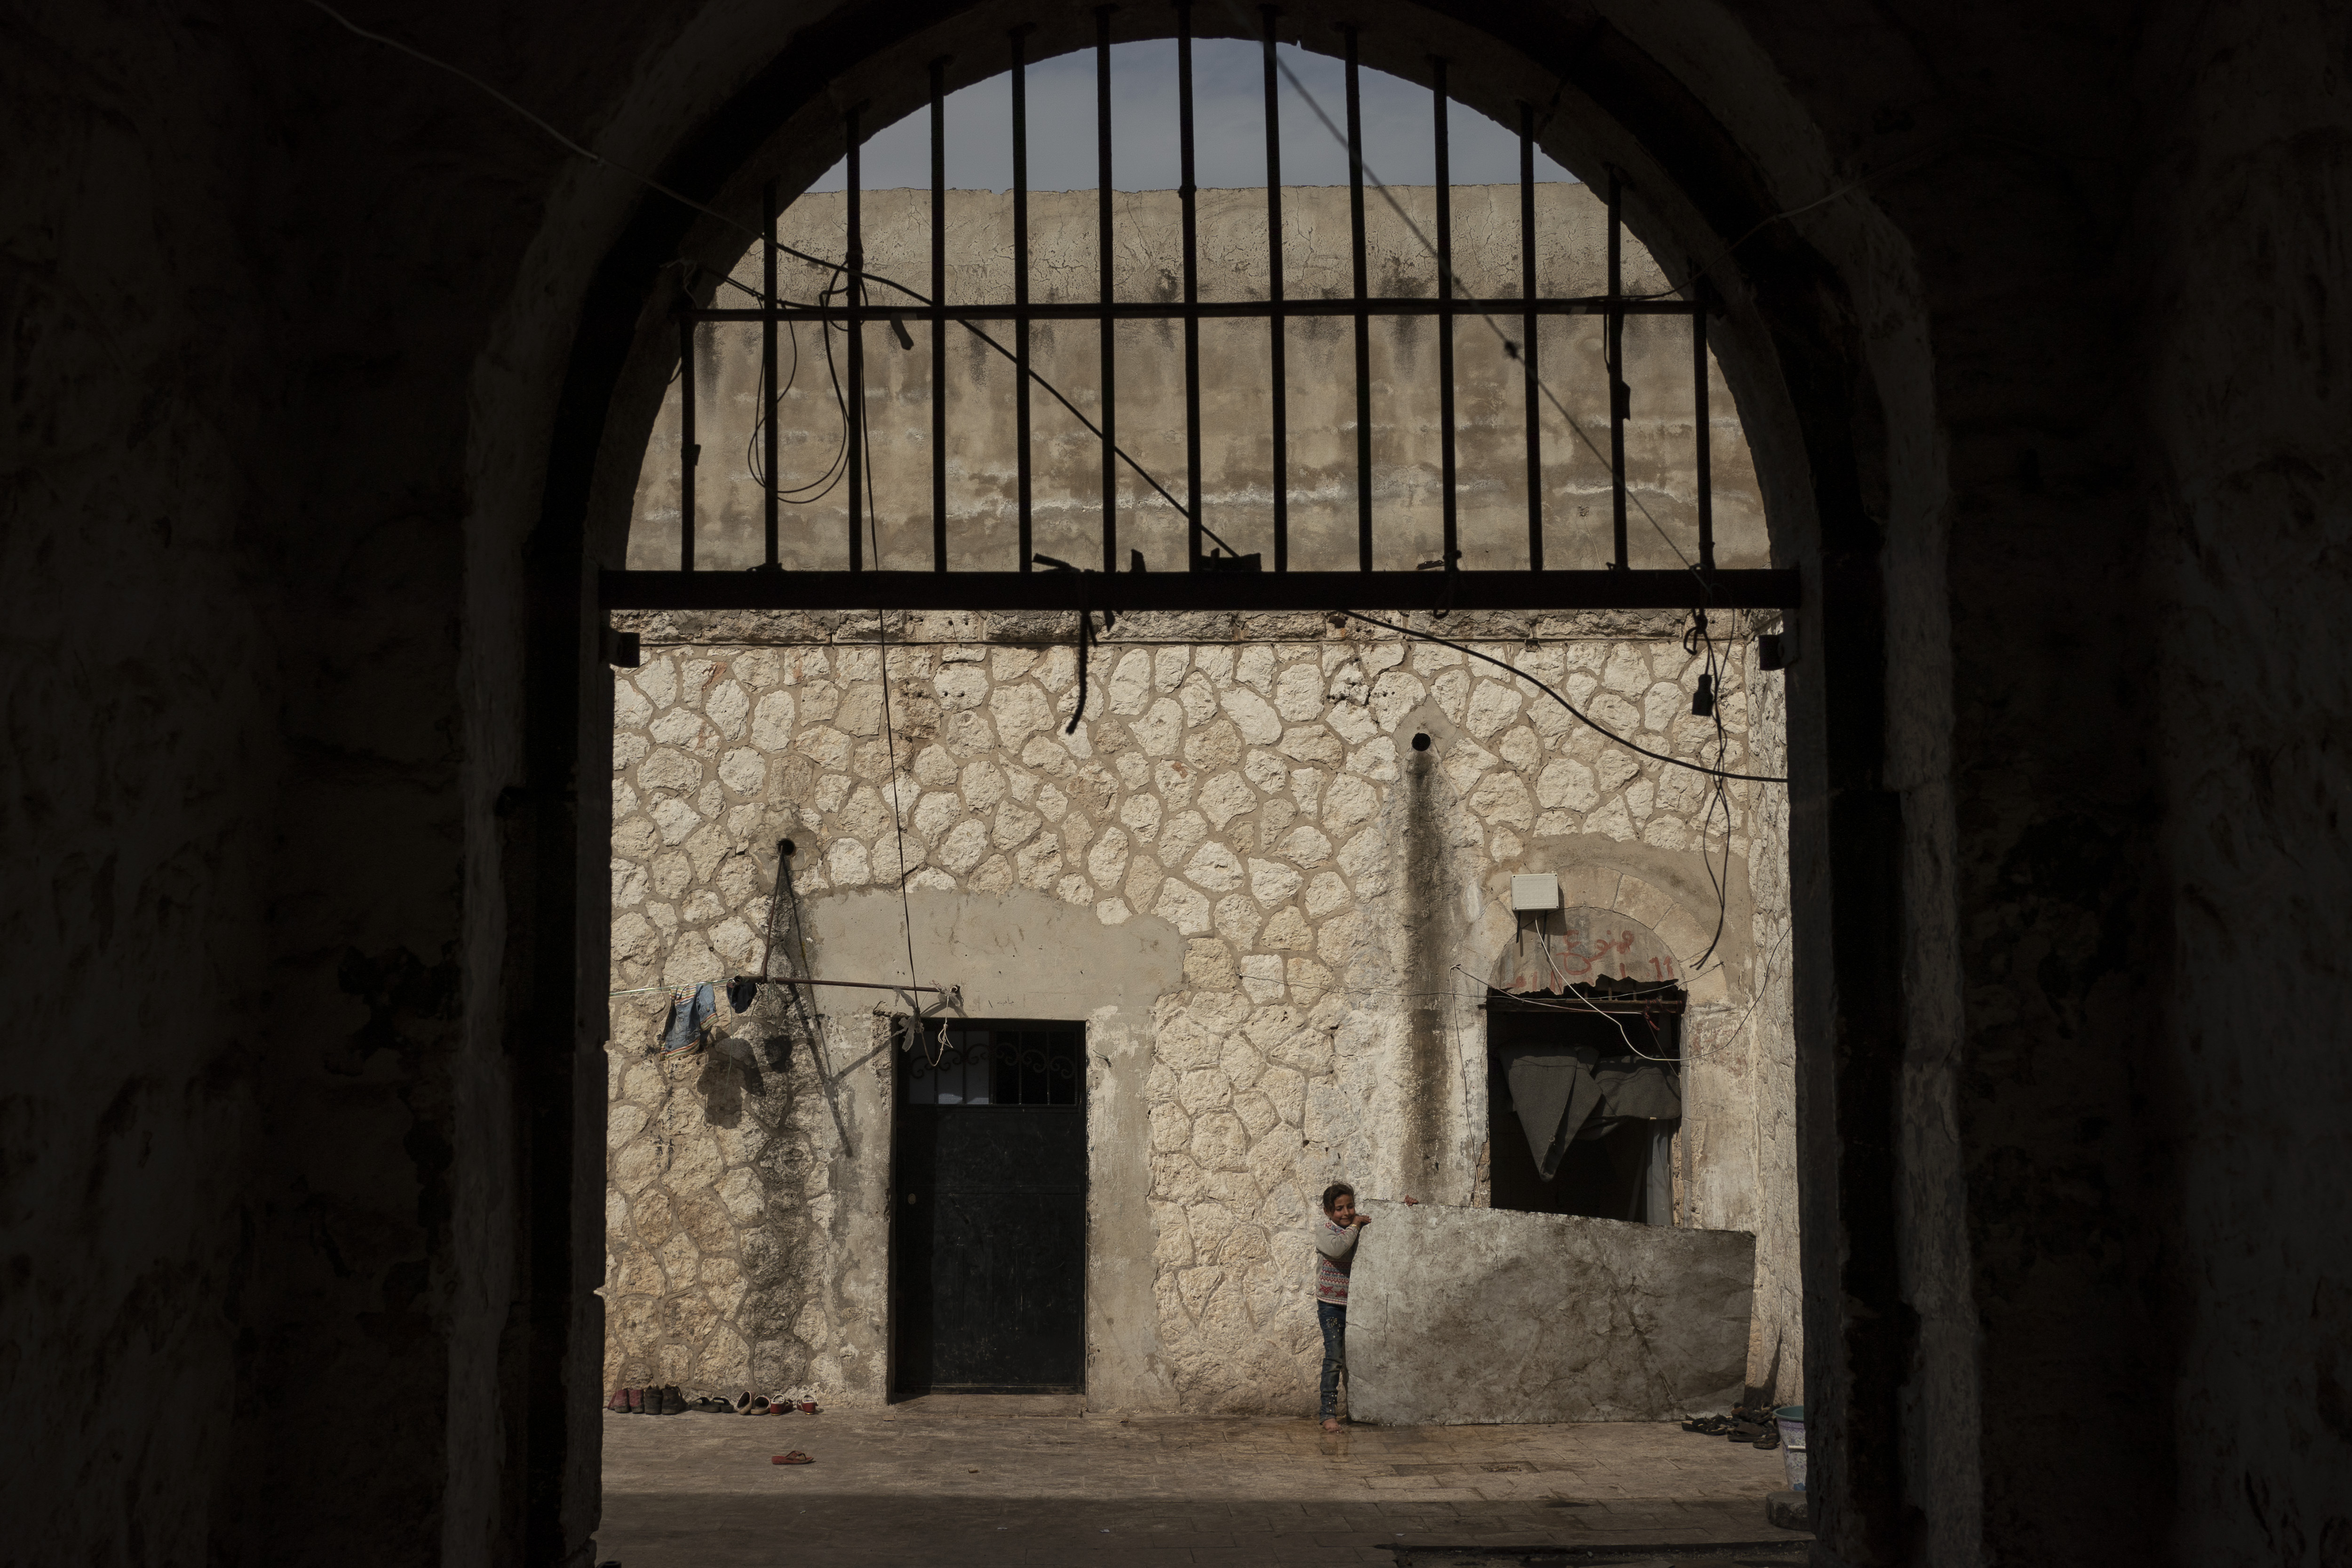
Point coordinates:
[(687, 452), (1527, 333), (1021, 283), (853, 425), (939, 326), (1705, 442), (1363, 317), (1104, 256), (1615, 329), (1192, 284), (768, 365), (1277, 365), (1444, 182)]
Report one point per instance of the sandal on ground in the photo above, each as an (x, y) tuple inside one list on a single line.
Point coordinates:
[(795, 1458)]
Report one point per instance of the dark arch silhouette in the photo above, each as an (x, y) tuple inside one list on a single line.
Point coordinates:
[(1788, 350)]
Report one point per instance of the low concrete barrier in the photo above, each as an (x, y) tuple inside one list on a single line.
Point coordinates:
[(1468, 1316)]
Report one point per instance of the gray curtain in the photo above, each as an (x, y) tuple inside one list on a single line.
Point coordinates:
[(1561, 1096)]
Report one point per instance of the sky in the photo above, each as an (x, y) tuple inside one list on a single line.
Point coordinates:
[(1229, 128)]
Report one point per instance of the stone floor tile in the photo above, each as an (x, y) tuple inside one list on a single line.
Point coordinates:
[(1040, 1490)]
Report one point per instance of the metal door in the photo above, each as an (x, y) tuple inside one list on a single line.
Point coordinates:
[(989, 1246)]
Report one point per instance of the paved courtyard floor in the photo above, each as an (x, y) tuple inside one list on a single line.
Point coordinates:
[(988, 1482)]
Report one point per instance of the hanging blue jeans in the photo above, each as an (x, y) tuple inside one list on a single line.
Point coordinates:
[(1333, 1317), (686, 1017)]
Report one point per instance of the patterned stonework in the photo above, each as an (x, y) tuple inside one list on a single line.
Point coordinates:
[(1259, 796)]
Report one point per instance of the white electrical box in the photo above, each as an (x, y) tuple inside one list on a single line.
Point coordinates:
[(1535, 891)]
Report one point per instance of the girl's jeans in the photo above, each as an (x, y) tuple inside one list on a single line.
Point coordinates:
[(1333, 1317)]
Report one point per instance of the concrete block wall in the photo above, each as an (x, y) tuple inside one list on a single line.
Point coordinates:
[(1286, 913)]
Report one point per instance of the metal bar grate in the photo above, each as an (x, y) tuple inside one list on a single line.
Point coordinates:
[(939, 323), (1362, 300), (1106, 259), (1528, 320), (1704, 443), (1277, 366), (768, 396), (1221, 578), (688, 453), (853, 289), (1021, 453), (1613, 357), (1186, 202), (1450, 500)]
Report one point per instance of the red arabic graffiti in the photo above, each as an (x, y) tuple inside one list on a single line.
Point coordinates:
[(1580, 954)]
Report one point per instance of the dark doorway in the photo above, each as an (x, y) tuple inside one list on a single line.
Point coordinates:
[(1617, 1166), (988, 1253)]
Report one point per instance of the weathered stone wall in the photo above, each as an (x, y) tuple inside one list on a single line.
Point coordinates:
[(1240, 804)]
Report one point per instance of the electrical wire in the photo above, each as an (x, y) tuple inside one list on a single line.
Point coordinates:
[(651, 184), (1449, 281), (1569, 990), (1711, 682), (851, 285), (1574, 712), (1893, 167)]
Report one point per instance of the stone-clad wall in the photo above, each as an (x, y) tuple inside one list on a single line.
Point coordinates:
[(1242, 792)]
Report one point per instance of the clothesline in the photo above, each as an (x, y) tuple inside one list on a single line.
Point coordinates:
[(782, 980)]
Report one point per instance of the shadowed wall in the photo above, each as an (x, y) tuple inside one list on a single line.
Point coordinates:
[(319, 369)]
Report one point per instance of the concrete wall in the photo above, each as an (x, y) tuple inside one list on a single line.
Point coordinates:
[(1236, 399), (1470, 1316), (1275, 915)]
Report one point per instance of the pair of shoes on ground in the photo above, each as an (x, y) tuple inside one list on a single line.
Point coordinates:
[(665, 1401), (757, 1405), (1754, 1427), (669, 1400)]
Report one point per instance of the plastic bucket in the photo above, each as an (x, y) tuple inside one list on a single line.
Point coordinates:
[(1790, 1420)]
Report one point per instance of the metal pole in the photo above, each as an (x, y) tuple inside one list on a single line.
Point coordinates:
[(939, 324), (1705, 444), (1446, 452), (1021, 286), (853, 425), (1277, 365), (1106, 332), (1527, 334), (769, 444), (1363, 317), (687, 452), (1191, 285), (1614, 329)]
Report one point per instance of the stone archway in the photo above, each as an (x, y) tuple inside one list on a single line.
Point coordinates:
[(1787, 327)]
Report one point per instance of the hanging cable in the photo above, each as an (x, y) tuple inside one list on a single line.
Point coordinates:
[(1574, 711), (651, 184), (1449, 279)]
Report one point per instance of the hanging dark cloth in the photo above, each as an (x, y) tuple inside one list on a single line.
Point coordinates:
[(1561, 1096)]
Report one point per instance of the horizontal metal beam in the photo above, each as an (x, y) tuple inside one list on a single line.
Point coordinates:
[(1219, 590), (1175, 310)]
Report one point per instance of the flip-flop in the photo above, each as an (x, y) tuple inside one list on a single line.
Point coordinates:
[(795, 1458)]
